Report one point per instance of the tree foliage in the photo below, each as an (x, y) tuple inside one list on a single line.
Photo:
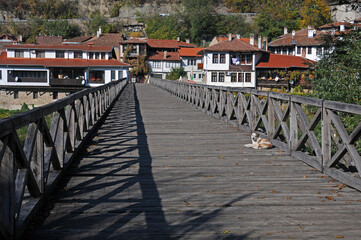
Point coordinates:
[(338, 75), (176, 73)]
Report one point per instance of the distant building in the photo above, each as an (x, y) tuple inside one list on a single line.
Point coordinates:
[(345, 11), (305, 43), (192, 63), (231, 63), (162, 63), (59, 65)]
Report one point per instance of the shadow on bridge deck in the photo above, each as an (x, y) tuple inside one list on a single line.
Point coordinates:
[(158, 169)]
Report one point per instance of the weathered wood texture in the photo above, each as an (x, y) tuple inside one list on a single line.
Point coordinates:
[(160, 169), (309, 129), (29, 170)]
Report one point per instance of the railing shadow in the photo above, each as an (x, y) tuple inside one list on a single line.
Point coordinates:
[(96, 199)]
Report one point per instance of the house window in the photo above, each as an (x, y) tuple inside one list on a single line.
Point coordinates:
[(1, 75), (194, 76), (156, 64), (35, 95), (60, 54), (96, 55), (91, 55), (113, 75), (78, 55), (240, 77), (96, 76), (233, 77), (200, 76), (19, 54), (222, 58), (16, 94), (214, 77), (191, 62), (172, 65), (298, 50), (102, 56), (248, 77), (221, 77), (40, 54), (55, 95), (120, 74), (215, 58), (309, 50), (246, 59)]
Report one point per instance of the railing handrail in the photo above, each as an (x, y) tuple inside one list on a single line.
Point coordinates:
[(307, 128), (33, 170)]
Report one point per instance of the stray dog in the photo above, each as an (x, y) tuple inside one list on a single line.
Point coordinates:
[(259, 143)]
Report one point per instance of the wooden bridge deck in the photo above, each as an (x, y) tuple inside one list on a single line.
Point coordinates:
[(160, 169)]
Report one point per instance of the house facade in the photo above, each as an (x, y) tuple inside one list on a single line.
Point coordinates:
[(231, 63), (305, 43), (192, 63), (162, 63), (59, 65)]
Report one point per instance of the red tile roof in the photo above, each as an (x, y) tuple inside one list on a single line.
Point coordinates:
[(59, 62), (283, 61), (49, 40), (171, 56), (246, 40), (78, 39), (190, 52), (164, 43), (300, 39), (236, 45), (61, 47), (106, 39), (335, 25)]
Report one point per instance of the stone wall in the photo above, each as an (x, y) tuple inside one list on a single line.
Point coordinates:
[(7, 100)]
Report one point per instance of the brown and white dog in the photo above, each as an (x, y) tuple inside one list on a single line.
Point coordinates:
[(259, 143)]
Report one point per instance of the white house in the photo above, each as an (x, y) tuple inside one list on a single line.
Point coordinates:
[(162, 63), (192, 63), (231, 63), (305, 43), (59, 65)]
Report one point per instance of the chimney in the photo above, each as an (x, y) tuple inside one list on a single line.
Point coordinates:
[(178, 39), (251, 39), (342, 28), (230, 36), (311, 32), (285, 30), (293, 32), (187, 40), (259, 42), (238, 36), (165, 54), (20, 38), (99, 32), (265, 44)]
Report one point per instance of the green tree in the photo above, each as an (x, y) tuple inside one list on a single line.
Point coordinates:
[(233, 24), (315, 13), (176, 73), (244, 6), (140, 66), (60, 28), (338, 75), (164, 27), (96, 19), (199, 19)]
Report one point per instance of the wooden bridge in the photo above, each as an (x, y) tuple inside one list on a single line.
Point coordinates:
[(142, 164)]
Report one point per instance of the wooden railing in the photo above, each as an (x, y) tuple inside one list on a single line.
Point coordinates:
[(31, 167), (323, 134)]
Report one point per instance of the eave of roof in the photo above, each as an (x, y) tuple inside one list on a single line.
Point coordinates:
[(58, 62), (79, 47)]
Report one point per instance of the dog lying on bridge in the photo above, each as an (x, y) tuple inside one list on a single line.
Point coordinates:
[(259, 143)]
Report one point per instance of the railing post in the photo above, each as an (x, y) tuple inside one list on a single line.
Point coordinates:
[(326, 136)]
